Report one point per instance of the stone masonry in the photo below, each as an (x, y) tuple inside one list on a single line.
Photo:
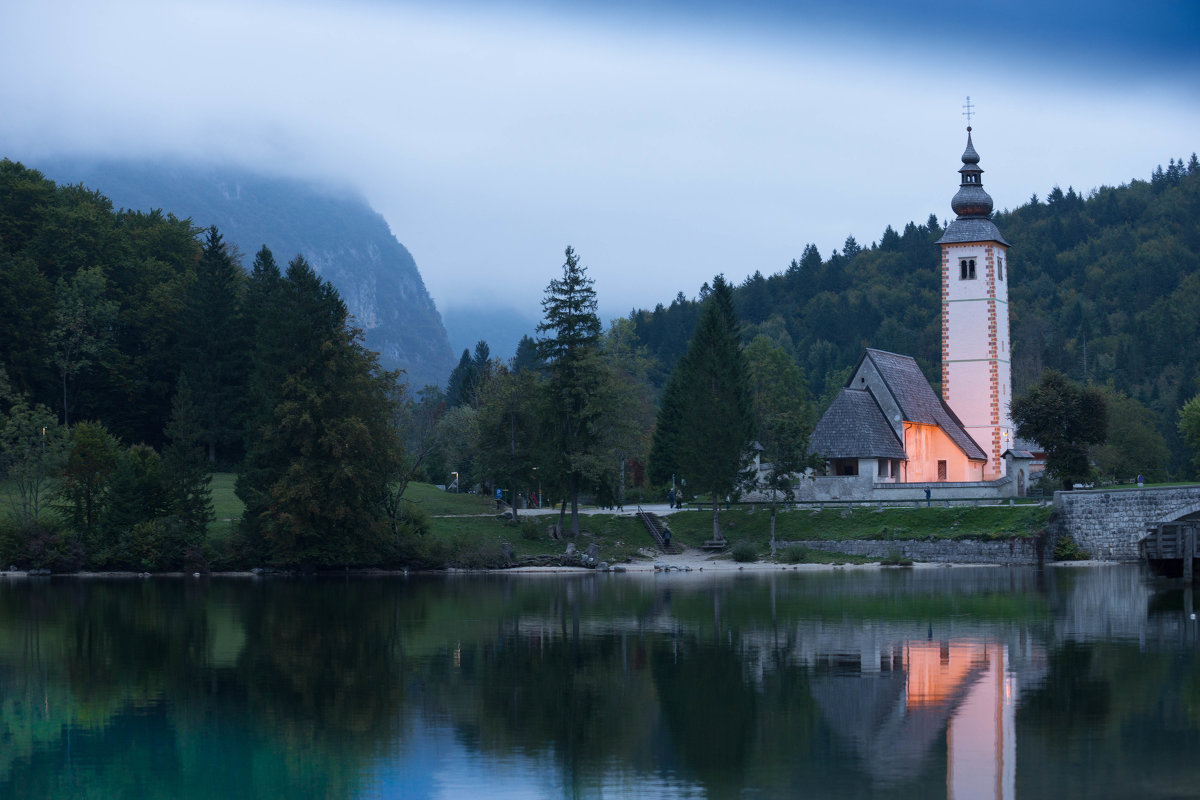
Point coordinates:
[(947, 551), (1108, 524)]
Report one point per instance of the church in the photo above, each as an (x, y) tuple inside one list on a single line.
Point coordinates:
[(887, 427)]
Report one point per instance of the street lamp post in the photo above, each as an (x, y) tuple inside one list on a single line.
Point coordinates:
[(455, 474), (539, 482)]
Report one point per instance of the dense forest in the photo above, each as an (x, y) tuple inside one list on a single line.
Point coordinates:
[(140, 355), (1104, 288)]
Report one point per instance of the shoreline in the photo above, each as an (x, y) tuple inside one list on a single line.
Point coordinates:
[(688, 562)]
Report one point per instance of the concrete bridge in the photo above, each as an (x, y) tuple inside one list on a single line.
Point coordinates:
[(1108, 523)]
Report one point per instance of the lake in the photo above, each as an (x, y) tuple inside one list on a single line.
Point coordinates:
[(964, 683)]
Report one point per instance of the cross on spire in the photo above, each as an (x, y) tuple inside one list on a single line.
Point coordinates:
[(968, 111)]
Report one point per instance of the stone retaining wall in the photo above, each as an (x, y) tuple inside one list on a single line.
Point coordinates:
[(956, 551), (1108, 524)]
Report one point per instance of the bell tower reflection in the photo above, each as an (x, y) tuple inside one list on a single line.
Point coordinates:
[(970, 680), (958, 693)]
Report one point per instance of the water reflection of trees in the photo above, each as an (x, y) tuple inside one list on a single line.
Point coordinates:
[(241, 688)]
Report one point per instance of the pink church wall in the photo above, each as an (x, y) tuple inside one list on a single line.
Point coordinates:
[(928, 444)]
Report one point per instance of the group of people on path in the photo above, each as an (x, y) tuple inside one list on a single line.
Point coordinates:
[(674, 499)]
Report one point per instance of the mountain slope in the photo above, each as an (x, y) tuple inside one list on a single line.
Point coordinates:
[(344, 240)]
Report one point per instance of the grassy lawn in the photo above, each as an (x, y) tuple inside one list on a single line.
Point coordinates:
[(618, 537), (436, 502), (226, 504), (997, 522)]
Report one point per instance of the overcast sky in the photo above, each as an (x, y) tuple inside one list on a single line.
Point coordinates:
[(666, 141)]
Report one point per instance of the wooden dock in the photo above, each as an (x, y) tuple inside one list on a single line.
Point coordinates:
[(1170, 548)]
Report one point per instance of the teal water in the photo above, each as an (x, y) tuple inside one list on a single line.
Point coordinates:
[(930, 683)]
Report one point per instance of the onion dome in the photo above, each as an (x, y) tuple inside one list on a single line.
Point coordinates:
[(972, 205), (971, 200)]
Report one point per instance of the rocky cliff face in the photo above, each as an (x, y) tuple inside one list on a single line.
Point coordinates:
[(344, 240)]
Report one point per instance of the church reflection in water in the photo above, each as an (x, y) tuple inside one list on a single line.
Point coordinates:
[(921, 696)]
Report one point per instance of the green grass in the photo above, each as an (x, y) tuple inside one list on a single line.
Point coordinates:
[(841, 524), (437, 502), (226, 504), (618, 537)]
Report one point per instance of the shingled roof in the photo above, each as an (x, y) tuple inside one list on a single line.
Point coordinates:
[(971, 229), (917, 401), (854, 427)]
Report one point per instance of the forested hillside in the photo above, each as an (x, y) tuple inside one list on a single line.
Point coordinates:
[(1105, 288), (341, 237), (138, 355)]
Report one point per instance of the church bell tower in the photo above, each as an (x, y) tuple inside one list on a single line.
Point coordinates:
[(976, 352)]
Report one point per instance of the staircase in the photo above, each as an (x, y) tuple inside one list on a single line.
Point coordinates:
[(655, 525)]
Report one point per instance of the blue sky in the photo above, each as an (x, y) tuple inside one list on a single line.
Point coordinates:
[(665, 141)]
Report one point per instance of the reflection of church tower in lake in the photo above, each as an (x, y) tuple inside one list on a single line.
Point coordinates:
[(914, 698), (976, 352)]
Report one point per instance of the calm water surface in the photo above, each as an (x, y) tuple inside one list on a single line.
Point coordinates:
[(965, 683)]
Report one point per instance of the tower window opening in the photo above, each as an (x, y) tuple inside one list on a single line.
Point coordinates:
[(1000, 269), (966, 269)]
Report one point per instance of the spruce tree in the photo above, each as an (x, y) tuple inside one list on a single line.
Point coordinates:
[(186, 472), (570, 345), (214, 348), (323, 447), (707, 428)]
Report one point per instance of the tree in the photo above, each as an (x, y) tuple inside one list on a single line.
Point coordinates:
[(131, 527), (460, 385), (323, 449), (706, 426), (32, 450), (214, 345), (1064, 417), (571, 348), (508, 429), (93, 457), (186, 473), (1189, 425), (527, 355), (1133, 445), (782, 417), (83, 318), (417, 423)]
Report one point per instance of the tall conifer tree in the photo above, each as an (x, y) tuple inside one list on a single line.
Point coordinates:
[(214, 348), (570, 345), (706, 425), (323, 448)]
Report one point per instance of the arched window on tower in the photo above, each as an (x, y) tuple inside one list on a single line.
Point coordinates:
[(999, 269), (966, 269)]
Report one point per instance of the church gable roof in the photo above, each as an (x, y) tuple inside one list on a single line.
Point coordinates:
[(854, 427), (917, 400)]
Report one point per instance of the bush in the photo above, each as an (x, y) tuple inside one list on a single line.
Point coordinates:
[(46, 544), (469, 554), (530, 530), (141, 547), (420, 552), (1067, 549), (744, 552), (10, 542), (793, 554), (895, 558), (415, 517)]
